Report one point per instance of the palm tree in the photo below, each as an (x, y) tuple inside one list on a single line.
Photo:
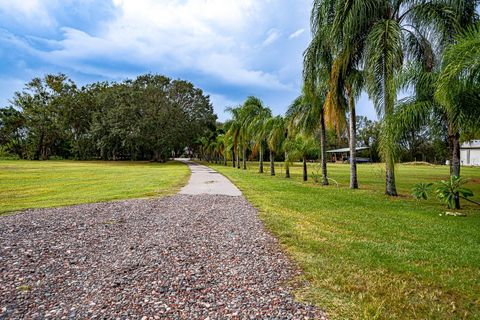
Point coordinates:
[(458, 88), (276, 133), (346, 83), (286, 148), (446, 93), (300, 146), (220, 143), (233, 128), (229, 148), (203, 143), (317, 67), (345, 87), (239, 127), (211, 149), (306, 115), (259, 134), (392, 30)]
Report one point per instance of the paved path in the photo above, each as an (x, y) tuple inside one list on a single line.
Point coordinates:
[(181, 257), (205, 180)]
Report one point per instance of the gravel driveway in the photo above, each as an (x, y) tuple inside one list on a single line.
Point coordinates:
[(180, 257)]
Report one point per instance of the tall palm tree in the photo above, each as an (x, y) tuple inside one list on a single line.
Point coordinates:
[(233, 129), (203, 144), (239, 128), (458, 87), (221, 148), (229, 148), (447, 92), (259, 134), (300, 146), (392, 30), (345, 86), (460, 74), (276, 133), (287, 138), (306, 115), (317, 67)]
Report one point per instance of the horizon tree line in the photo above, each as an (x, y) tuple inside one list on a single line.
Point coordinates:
[(147, 118)]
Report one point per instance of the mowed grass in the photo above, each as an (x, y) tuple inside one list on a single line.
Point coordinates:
[(36, 184), (368, 256)]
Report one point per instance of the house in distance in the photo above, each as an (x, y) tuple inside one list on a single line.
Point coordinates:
[(470, 153)]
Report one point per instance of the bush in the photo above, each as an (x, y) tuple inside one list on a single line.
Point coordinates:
[(421, 190), (6, 155), (449, 191)]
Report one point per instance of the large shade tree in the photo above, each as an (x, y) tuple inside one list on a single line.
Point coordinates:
[(150, 117)]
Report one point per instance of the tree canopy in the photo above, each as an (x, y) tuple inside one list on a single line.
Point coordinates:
[(146, 118)]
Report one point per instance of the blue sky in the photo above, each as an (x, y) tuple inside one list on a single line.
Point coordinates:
[(229, 48)]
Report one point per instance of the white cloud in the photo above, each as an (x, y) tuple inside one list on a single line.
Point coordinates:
[(297, 34), (221, 102), (35, 11), (273, 35), (209, 36), (234, 44)]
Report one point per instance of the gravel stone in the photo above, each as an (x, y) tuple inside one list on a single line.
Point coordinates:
[(180, 257)]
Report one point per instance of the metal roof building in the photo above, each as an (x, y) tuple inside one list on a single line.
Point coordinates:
[(470, 153), (342, 155)]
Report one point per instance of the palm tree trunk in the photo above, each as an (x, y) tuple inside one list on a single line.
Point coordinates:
[(238, 157), (390, 186), (233, 157), (323, 143), (455, 163), (305, 176), (244, 158), (260, 156), (272, 163), (287, 166), (353, 143)]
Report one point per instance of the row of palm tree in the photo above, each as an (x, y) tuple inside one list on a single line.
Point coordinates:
[(253, 131), (428, 48), (383, 46)]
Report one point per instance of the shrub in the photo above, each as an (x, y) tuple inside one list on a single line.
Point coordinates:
[(421, 190), (449, 191)]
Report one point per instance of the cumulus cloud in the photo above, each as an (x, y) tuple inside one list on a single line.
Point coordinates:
[(202, 35), (230, 44), (36, 11)]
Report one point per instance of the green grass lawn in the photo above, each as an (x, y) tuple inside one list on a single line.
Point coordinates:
[(368, 256), (37, 184)]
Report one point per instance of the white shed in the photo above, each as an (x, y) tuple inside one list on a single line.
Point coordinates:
[(470, 153)]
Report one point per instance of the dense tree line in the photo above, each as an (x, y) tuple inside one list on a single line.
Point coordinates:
[(146, 118)]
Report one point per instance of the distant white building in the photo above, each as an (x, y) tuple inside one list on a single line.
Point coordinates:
[(470, 153)]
